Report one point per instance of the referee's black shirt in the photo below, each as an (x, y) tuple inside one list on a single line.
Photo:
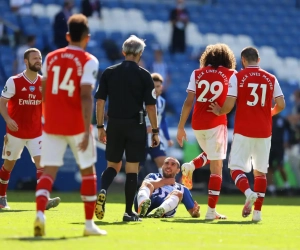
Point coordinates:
[(127, 87)]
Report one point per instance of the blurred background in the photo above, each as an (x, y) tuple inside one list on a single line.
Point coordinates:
[(176, 33)]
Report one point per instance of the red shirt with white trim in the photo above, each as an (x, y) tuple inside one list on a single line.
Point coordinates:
[(65, 70), (210, 85), (24, 105), (254, 89)]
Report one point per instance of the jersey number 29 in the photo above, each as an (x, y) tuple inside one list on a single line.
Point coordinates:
[(66, 84), (216, 88)]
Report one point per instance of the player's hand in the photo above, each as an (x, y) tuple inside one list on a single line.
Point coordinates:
[(170, 143), (168, 181), (195, 211), (102, 135), (181, 135), (214, 108), (84, 143), (11, 124), (155, 140)]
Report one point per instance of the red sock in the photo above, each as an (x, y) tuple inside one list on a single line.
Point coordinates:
[(201, 160), (39, 172), (214, 188), (260, 187), (43, 190), (4, 179), (240, 180), (89, 194)]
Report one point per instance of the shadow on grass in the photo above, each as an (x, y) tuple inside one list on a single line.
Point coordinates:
[(102, 223), (15, 211), (195, 221), (44, 238)]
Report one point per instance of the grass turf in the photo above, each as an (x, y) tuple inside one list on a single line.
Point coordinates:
[(279, 229)]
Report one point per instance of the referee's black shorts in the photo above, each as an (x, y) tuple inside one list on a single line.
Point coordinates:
[(125, 135)]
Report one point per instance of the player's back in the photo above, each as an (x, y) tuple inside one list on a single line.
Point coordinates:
[(63, 112), (211, 86), (255, 88)]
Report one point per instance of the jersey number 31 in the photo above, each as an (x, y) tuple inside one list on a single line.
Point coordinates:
[(66, 84)]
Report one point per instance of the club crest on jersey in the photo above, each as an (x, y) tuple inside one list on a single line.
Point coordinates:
[(32, 88)]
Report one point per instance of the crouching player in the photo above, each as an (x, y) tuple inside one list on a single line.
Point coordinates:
[(160, 195)]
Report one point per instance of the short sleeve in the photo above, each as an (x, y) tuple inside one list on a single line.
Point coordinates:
[(102, 90), (192, 83), (150, 94), (44, 68), (232, 88), (277, 90), (151, 176), (9, 89), (90, 72)]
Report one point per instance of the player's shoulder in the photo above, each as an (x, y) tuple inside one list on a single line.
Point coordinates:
[(15, 77), (270, 75), (91, 57)]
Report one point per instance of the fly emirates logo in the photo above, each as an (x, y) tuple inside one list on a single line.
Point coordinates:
[(30, 101)]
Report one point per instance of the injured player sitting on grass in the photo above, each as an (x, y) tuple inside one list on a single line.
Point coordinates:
[(160, 195)]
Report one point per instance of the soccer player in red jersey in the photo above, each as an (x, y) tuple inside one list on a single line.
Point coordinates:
[(208, 84), (21, 108), (69, 76), (253, 89)]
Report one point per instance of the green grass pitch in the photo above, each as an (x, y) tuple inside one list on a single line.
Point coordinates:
[(280, 228)]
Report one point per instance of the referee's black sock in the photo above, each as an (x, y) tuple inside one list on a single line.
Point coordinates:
[(107, 177), (130, 190)]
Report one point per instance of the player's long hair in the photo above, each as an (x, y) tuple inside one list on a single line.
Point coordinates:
[(218, 55)]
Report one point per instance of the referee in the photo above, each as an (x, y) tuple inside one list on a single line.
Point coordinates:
[(128, 87)]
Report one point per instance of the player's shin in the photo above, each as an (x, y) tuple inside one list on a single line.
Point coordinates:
[(260, 187), (170, 203), (88, 193), (143, 194), (4, 179), (201, 160), (214, 188), (241, 181), (43, 190)]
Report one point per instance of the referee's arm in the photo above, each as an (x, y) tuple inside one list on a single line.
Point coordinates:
[(152, 114), (100, 96)]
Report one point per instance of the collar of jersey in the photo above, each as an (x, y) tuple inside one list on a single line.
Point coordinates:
[(28, 80), (74, 47)]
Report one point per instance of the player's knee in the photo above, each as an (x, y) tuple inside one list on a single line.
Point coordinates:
[(177, 193), (148, 185)]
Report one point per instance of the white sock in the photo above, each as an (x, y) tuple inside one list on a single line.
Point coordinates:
[(40, 215), (89, 223), (211, 210), (170, 203), (143, 194), (160, 171), (248, 192)]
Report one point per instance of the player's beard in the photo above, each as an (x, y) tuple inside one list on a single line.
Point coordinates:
[(33, 67), (171, 175)]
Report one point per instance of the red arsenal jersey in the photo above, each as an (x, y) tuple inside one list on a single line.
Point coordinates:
[(65, 70), (210, 85), (24, 105), (255, 89)]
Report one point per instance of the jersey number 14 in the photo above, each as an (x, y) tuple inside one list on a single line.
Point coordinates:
[(67, 84)]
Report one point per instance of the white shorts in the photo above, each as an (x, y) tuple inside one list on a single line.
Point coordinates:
[(54, 148), (213, 142), (13, 147), (247, 152)]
